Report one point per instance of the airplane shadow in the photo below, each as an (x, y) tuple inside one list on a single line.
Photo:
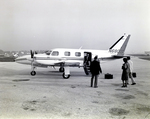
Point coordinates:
[(50, 74)]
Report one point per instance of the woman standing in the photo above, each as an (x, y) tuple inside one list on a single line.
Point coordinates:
[(125, 72)]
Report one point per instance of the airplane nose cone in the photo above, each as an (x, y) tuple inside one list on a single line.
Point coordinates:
[(21, 60), (17, 60), (24, 60)]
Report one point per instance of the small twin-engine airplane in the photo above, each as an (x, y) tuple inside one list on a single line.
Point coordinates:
[(65, 58)]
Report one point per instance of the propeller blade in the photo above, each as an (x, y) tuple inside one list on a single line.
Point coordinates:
[(32, 53)]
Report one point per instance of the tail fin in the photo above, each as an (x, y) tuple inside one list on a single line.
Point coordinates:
[(119, 47)]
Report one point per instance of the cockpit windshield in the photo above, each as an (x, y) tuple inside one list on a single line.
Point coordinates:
[(48, 52)]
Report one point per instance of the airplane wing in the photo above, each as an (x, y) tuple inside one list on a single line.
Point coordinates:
[(47, 63)]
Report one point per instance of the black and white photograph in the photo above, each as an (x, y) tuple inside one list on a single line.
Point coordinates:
[(74, 59)]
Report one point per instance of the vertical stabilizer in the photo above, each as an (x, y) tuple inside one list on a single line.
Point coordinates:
[(119, 47)]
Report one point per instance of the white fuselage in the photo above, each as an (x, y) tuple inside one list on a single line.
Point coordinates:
[(70, 57)]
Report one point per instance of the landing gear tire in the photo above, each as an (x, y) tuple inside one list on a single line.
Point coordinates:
[(33, 73), (65, 76), (61, 69)]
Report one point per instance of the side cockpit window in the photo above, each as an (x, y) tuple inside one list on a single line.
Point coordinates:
[(55, 53), (78, 54), (67, 53), (48, 52)]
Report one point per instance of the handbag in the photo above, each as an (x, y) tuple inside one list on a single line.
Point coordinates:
[(134, 74)]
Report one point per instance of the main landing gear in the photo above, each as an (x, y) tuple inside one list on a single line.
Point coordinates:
[(65, 70), (66, 73), (65, 76), (61, 69)]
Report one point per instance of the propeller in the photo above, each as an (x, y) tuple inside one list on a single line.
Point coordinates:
[(32, 54)]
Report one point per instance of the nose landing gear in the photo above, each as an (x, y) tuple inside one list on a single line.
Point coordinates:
[(33, 73)]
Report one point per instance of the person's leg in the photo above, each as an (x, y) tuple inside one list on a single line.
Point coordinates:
[(130, 76), (126, 81), (95, 83), (92, 80), (123, 85)]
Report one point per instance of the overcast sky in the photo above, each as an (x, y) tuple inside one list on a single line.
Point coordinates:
[(93, 24)]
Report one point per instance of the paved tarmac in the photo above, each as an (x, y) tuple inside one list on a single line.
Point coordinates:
[(48, 96)]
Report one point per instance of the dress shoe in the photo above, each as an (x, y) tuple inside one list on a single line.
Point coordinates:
[(133, 83)]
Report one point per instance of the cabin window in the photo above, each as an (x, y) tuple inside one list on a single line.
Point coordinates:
[(67, 53), (55, 53), (78, 54)]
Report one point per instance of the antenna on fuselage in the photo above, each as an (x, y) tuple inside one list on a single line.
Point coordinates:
[(80, 47)]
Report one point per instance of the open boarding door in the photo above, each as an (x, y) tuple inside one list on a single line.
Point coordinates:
[(87, 62)]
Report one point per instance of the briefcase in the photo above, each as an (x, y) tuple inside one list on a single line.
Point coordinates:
[(108, 76), (134, 74)]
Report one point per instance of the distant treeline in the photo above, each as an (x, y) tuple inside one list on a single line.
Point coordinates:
[(7, 59)]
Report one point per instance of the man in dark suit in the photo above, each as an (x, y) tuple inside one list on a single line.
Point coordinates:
[(95, 71)]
